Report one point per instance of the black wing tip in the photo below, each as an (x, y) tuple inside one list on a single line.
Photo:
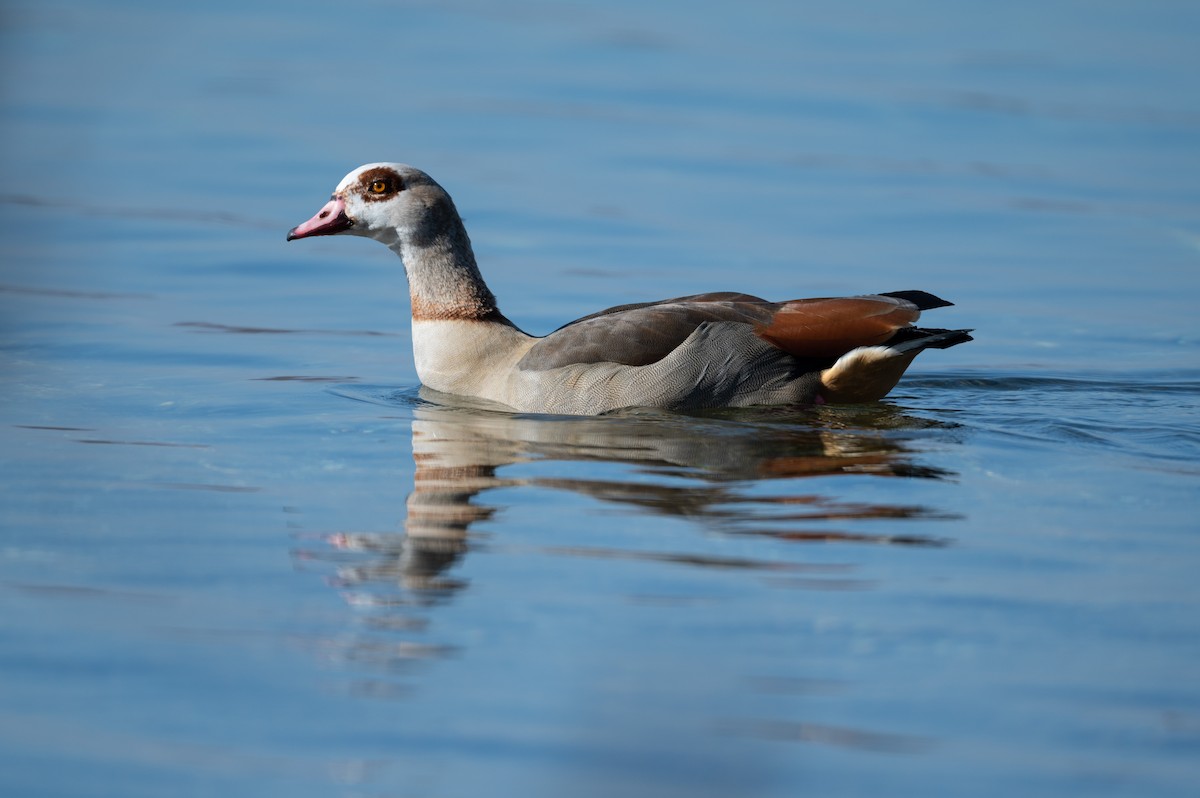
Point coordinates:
[(944, 339), (918, 338), (922, 299)]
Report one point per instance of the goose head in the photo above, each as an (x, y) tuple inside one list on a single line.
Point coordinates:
[(390, 202), (408, 211)]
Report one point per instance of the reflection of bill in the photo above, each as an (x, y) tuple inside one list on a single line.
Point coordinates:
[(460, 451)]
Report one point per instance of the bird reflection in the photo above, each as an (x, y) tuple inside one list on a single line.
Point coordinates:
[(704, 467), (730, 472)]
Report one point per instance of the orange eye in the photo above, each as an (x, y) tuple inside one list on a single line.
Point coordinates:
[(379, 186)]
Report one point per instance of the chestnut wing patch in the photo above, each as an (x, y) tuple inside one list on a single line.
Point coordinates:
[(832, 327)]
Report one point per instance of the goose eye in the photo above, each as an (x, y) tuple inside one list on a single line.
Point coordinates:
[(379, 186)]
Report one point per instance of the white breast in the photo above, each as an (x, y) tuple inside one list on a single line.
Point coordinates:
[(475, 358)]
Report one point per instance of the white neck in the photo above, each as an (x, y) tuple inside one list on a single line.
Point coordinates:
[(443, 280), (462, 344)]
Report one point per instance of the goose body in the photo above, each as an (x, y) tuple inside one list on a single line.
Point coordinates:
[(707, 350)]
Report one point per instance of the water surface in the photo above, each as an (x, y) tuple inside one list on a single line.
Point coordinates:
[(243, 552)]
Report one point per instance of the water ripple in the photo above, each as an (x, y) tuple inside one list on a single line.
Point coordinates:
[(1147, 416)]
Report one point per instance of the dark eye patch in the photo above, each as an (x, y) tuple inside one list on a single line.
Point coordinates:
[(379, 184)]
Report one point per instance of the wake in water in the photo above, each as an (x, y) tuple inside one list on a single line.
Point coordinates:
[(1148, 416), (1151, 415)]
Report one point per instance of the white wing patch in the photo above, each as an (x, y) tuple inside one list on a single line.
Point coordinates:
[(865, 374)]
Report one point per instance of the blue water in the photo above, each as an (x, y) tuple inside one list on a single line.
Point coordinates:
[(243, 553)]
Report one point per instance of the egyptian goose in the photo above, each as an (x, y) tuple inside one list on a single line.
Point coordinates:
[(709, 350)]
